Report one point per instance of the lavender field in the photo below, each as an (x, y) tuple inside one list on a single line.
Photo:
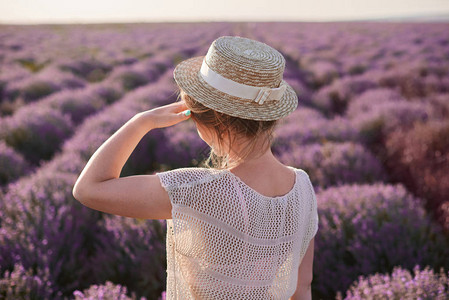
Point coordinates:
[(371, 130)]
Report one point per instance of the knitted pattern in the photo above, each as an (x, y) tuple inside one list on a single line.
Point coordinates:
[(227, 241)]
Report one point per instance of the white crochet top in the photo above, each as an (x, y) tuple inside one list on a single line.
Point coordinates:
[(227, 241)]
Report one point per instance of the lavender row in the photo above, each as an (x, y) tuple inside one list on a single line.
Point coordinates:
[(62, 75), (38, 129), (371, 228), (424, 283)]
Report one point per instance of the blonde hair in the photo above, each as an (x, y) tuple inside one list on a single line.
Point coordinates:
[(233, 127)]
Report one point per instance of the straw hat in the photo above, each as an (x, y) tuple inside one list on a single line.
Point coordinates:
[(239, 77)]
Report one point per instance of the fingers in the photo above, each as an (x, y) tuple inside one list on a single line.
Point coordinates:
[(178, 106), (185, 114)]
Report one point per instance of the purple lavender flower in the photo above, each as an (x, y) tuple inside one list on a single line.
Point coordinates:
[(364, 102), (37, 132), (43, 226), (401, 284), (12, 164), (380, 119), (30, 89), (323, 72), (419, 157), (133, 252), (336, 163), (19, 282), (108, 290), (90, 70), (307, 126), (181, 146), (366, 229), (63, 79)]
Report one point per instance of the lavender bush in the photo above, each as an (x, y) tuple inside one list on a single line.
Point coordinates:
[(364, 102), (181, 146), (372, 228), (36, 133), (81, 103), (65, 80), (144, 157), (12, 164), (43, 226), (97, 129), (419, 157), (401, 284), (417, 78), (108, 290), (336, 163), (334, 98), (30, 90), (139, 74), (77, 105), (305, 126), (377, 122), (38, 89), (89, 69), (440, 105), (132, 252), (65, 162), (22, 284), (132, 79), (323, 72)]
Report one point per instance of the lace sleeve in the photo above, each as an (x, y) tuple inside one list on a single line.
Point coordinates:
[(176, 182), (312, 224), (179, 183), (167, 179)]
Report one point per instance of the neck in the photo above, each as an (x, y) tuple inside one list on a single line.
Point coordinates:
[(255, 158)]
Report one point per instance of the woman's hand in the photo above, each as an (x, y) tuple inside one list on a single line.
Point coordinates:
[(164, 116)]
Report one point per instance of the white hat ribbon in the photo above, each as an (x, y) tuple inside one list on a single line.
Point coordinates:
[(225, 85)]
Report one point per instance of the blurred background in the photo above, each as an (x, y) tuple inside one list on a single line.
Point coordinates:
[(371, 130), (103, 11)]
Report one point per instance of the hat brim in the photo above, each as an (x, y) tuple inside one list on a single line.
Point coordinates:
[(187, 76)]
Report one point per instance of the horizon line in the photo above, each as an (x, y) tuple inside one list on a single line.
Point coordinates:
[(429, 17)]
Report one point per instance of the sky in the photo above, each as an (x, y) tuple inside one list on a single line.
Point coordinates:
[(115, 11)]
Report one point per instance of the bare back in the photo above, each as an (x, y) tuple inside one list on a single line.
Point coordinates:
[(271, 180)]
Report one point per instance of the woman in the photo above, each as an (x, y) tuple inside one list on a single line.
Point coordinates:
[(242, 226)]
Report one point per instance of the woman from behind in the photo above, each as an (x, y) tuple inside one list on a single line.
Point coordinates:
[(241, 226)]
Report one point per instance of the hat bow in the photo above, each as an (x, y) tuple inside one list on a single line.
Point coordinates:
[(266, 93)]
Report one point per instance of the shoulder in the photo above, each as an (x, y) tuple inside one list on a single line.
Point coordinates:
[(187, 177), (303, 174), (305, 182)]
